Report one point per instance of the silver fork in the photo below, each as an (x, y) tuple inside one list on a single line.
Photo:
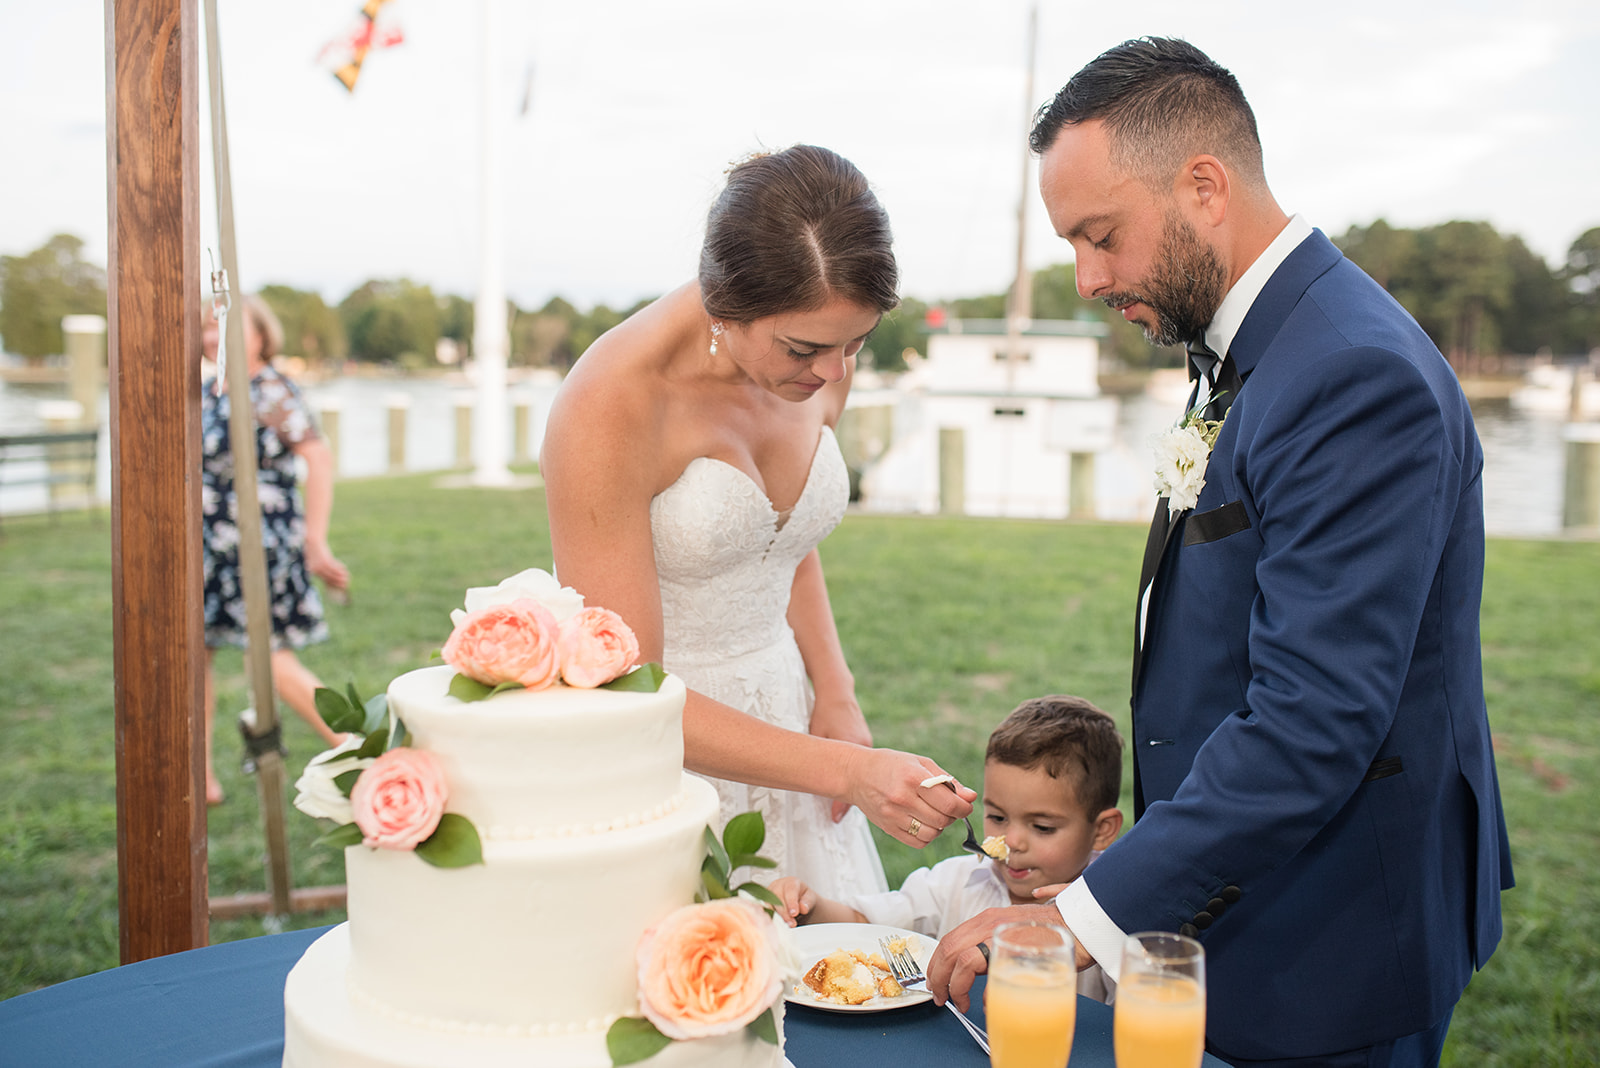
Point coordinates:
[(908, 972), (971, 845)]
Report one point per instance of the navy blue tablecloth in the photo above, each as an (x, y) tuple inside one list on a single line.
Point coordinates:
[(222, 1007)]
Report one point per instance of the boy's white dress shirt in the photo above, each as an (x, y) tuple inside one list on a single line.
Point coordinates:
[(934, 901)]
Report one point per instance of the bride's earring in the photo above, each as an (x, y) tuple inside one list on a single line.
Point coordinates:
[(716, 332)]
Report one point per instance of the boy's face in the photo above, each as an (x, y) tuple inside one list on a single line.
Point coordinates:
[(1048, 831)]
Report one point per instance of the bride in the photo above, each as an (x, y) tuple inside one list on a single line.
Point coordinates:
[(691, 469)]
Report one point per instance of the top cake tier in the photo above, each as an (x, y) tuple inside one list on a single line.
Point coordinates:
[(558, 762)]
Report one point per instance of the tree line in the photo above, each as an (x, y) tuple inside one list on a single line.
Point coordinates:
[(1477, 293)]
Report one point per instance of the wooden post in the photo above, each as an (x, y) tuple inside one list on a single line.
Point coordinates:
[(1580, 508), (86, 362), (464, 430), (1080, 486), (328, 412), (398, 404), (952, 470), (521, 416), (153, 174)]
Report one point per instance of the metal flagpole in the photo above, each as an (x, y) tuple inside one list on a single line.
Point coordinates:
[(263, 733)]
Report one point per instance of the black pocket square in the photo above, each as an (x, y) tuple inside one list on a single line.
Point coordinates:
[(1216, 524)]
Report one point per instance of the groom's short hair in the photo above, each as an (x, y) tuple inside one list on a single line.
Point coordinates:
[(1163, 102), (1067, 738)]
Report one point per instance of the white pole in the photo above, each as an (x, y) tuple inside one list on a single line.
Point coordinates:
[(490, 334)]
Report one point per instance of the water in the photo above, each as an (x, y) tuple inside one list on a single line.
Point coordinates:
[(1523, 478)]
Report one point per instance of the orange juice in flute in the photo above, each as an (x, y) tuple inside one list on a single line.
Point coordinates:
[(1160, 1015), (1031, 999)]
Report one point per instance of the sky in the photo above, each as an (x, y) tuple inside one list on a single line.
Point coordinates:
[(1414, 111)]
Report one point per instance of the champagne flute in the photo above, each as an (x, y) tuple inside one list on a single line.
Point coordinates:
[(1031, 999), (1160, 1014)]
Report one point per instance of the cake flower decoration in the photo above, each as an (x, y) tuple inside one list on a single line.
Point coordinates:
[(380, 792), (715, 966), (532, 632)]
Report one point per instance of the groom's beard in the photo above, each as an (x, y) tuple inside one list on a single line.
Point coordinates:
[(1185, 287)]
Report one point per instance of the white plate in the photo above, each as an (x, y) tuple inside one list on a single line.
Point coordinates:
[(813, 943)]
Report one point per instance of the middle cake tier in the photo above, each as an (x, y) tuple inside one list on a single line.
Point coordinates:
[(540, 938)]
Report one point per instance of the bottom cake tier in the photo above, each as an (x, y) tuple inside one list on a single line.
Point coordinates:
[(326, 1028)]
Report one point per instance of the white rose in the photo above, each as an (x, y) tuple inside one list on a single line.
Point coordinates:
[(1181, 457), (318, 795), (534, 584)]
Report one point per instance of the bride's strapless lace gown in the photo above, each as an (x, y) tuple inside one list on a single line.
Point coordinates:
[(726, 560)]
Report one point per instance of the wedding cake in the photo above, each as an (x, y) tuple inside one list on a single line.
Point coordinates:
[(590, 836)]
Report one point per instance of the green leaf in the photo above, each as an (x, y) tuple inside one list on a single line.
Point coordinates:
[(745, 833), (374, 745), (336, 711), (377, 710), (765, 1027), (453, 844), (346, 781), (646, 678), (352, 696), (465, 689), (760, 893), (715, 889), (347, 834), (398, 735), (717, 859), (750, 860), (632, 1039)]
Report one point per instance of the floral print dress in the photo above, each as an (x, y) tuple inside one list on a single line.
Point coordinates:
[(283, 420)]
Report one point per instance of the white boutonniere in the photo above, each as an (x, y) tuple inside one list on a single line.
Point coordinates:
[(1181, 456)]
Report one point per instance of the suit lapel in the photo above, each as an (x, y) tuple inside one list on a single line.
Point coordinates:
[(1313, 257)]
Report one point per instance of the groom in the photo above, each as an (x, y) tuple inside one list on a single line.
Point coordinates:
[(1314, 787)]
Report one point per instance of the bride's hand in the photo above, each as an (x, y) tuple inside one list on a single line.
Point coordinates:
[(886, 784)]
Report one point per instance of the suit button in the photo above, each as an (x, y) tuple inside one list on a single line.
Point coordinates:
[(1216, 906), (1202, 920), (1231, 894), (1189, 930)]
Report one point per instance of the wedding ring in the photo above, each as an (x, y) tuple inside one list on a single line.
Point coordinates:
[(916, 826)]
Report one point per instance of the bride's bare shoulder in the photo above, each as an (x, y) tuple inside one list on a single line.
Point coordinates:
[(616, 394)]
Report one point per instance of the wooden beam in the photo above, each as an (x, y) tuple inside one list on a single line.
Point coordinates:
[(153, 345), (300, 899)]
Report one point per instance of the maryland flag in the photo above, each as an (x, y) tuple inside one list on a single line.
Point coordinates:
[(345, 53)]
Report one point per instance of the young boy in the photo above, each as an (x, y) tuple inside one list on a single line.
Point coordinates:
[(1051, 777)]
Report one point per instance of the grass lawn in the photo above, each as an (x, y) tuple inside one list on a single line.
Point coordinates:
[(948, 623)]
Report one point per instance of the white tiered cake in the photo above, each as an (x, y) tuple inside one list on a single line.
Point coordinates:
[(591, 834)]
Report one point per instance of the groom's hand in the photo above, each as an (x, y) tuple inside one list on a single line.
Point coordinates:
[(957, 961)]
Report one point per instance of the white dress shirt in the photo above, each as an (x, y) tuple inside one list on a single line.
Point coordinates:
[(1081, 912), (934, 901)]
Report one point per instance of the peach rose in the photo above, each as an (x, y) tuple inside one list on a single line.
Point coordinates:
[(514, 642), (708, 969), (397, 801), (595, 647)]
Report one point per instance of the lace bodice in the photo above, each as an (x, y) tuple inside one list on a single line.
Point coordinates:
[(726, 561), (726, 558)]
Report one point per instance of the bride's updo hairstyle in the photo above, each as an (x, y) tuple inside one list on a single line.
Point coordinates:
[(792, 230)]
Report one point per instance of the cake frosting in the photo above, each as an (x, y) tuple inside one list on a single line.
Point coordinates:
[(591, 833)]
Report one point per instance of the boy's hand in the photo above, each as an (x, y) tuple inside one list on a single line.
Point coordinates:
[(798, 898)]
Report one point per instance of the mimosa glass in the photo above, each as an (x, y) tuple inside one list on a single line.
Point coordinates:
[(1160, 1015), (1031, 999)]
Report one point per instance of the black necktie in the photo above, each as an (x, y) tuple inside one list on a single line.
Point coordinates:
[(1222, 380)]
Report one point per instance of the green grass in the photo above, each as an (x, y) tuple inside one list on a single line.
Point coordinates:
[(948, 623)]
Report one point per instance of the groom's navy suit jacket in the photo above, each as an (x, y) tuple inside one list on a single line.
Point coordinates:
[(1315, 792)]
